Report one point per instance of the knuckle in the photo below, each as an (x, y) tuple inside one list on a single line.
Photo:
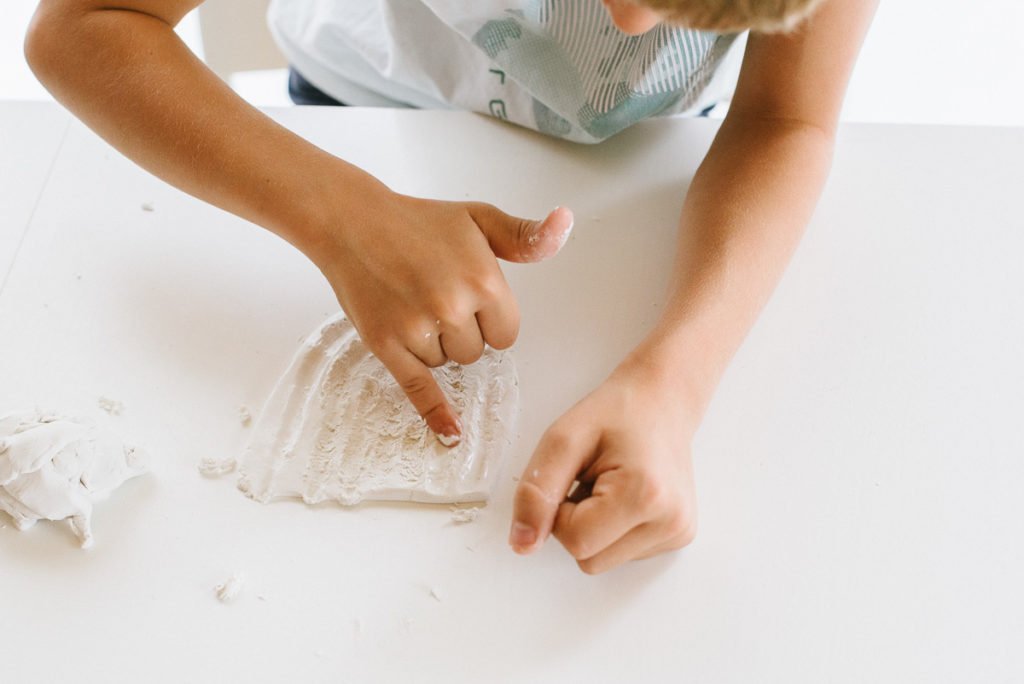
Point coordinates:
[(501, 342), (653, 494), (688, 535), (682, 530), (514, 319), (466, 356), (444, 309), (453, 312), (526, 497), (526, 237), (376, 338), (487, 285), (557, 440), (505, 337), (480, 212), (575, 544), (416, 385), (522, 498), (435, 362), (474, 355), (530, 497)]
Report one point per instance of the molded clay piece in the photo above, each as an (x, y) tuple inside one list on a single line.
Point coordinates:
[(338, 428)]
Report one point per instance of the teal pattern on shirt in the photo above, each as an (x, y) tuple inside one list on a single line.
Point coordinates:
[(588, 77)]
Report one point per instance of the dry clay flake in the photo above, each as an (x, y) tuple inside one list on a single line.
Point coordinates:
[(56, 468), (339, 428)]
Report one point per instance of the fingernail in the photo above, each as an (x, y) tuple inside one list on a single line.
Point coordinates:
[(522, 536), (448, 439)]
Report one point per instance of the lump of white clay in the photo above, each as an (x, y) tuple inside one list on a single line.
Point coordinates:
[(244, 416), (230, 589), (339, 428), (56, 468)]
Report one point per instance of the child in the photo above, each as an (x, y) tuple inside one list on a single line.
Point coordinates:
[(419, 278)]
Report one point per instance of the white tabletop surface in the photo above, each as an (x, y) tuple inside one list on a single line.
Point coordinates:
[(859, 472), (30, 135)]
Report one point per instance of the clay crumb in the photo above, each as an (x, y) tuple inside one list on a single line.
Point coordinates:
[(211, 467), (230, 589), (111, 406), (434, 594), (464, 515), (244, 415), (147, 206)]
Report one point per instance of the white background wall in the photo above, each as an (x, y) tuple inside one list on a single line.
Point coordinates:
[(925, 61)]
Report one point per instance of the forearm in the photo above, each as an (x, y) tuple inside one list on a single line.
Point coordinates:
[(744, 214), (130, 78)]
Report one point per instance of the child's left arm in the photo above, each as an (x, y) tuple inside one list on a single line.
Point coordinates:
[(628, 442)]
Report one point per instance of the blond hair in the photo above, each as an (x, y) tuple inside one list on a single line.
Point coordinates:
[(767, 16)]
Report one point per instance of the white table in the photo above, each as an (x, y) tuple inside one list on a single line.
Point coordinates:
[(30, 135), (859, 472)]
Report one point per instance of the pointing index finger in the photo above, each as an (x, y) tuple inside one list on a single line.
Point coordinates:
[(423, 392)]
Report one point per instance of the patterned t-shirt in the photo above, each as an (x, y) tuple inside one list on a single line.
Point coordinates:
[(557, 66)]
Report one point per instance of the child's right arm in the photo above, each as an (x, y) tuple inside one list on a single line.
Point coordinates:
[(418, 278)]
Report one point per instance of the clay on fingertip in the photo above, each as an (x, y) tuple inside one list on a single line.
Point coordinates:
[(564, 236), (449, 440)]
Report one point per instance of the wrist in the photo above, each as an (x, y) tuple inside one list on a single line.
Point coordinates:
[(339, 198), (660, 373)]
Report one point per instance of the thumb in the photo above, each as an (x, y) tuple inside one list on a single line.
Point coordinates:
[(522, 240), (558, 459)]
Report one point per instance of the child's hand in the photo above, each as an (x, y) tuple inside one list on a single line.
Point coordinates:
[(420, 282), (628, 445)]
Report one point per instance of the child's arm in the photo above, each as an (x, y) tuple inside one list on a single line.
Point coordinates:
[(628, 442), (418, 278)]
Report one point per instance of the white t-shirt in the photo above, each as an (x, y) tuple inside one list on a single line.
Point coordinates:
[(560, 67)]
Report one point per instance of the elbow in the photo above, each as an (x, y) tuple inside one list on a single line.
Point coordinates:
[(821, 128), (811, 136), (42, 43), (50, 42)]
